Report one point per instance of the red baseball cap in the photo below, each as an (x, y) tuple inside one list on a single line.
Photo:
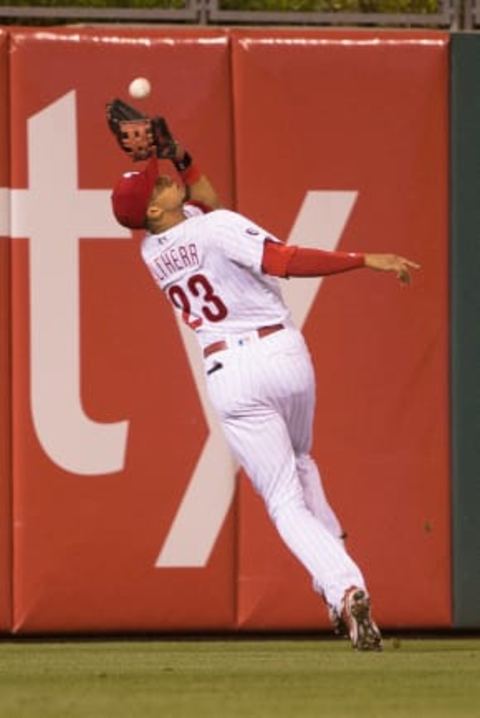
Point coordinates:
[(132, 193)]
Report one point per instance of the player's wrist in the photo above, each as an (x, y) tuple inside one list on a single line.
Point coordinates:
[(186, 167), (373, 261), (182, 160)]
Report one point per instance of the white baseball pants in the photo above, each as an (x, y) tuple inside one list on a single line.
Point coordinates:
[(264, 394)]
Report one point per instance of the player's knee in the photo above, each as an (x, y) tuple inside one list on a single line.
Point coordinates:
[(304, 462), (281, 506)]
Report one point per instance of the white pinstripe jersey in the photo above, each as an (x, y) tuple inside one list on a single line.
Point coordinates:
[(209, 266)]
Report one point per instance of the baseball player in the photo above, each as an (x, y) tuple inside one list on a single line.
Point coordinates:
[(220, 270)]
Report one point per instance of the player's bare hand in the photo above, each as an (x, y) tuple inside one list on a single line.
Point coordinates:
[(392, 263)]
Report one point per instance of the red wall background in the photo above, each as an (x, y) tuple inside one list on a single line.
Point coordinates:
[(332, 120), (5, 459)]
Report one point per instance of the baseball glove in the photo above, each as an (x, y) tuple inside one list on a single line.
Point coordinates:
[(140, 136)]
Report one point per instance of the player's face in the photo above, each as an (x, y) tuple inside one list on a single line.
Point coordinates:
[(168, 194)]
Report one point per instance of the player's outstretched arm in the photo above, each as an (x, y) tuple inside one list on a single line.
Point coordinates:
[(392, 263), (291, 261)]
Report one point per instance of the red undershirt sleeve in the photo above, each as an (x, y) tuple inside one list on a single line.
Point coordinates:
[(191, 175), (281, 260)]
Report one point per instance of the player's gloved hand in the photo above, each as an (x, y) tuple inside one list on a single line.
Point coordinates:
[(165, 145), (139, 135)]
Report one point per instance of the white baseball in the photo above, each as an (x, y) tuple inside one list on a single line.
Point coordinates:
[(139, 87)]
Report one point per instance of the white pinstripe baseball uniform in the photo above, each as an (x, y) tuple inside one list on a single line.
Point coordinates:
[(259, 378)]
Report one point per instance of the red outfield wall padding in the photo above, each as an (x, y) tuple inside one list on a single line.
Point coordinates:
[(110, 428), (5, 375), (349, 144)]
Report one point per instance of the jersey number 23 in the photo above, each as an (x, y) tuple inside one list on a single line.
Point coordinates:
[(200, 293)]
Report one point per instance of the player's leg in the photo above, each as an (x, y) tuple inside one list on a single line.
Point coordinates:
[(298, 412), (315, 497), (242, 392), (261, 443), (297, 409)]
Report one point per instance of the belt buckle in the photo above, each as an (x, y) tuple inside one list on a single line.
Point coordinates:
[(245, 338)]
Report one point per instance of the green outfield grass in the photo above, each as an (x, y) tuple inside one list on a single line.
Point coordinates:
[(249, 678)]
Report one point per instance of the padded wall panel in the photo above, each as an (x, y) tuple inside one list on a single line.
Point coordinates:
[(110, 427), (342, 135), (465, 152), (5, 366)]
